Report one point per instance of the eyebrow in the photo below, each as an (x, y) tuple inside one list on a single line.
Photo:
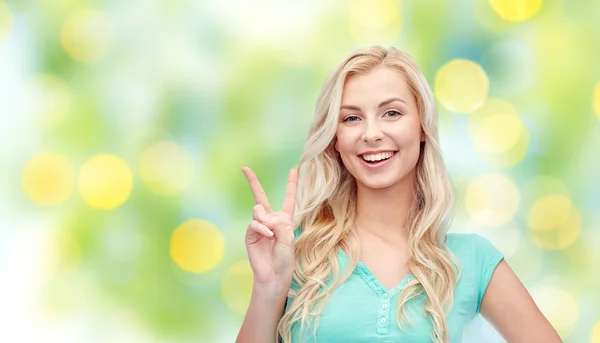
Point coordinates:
[(386, 102)]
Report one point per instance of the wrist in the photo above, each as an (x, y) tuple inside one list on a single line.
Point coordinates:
[(271, 292)]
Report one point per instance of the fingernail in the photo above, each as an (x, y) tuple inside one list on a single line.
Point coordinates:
[(263, 218), (270, 233)]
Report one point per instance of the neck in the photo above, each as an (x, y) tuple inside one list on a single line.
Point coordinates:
[(384, 211)]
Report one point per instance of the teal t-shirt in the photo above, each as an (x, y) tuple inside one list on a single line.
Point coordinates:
[(362, 310)]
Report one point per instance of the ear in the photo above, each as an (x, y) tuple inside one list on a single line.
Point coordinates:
[(335, 145), (422, 135)]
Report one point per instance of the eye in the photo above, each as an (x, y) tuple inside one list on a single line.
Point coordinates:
[(392, 114), (351, 118)]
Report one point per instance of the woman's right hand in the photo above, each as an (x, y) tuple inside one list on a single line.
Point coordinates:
[(270, 237)]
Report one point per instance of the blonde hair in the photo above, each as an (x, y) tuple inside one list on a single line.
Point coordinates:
[(326, 207)]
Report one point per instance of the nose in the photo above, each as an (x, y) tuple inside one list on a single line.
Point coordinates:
[(372, 133)]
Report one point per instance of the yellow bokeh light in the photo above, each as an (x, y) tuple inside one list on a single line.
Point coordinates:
[(516, 10), (595, 338), (87, 36), (596, 100), (197, 246), (511, 157), (461, 86), (548, 212), (236, 287), (553, 222), (495, 127), (105, 181), (559, 307), (48, 179), (166, 168), (374, 22), (6, 22), (492, 200), (50, 100), (498, 133), (561, 237)]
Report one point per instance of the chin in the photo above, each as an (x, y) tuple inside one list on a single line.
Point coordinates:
[(378, 184), (399, 178)]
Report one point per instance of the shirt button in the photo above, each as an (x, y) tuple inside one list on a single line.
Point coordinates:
[(384, 306), (383, 320), (385, 295)]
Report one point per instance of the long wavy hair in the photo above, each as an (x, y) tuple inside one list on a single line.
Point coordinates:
[(326, 207)]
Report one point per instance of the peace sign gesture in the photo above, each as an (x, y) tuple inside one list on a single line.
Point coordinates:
[(270, 236)]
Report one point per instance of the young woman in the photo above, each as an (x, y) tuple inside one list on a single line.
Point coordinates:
[(370, 259)]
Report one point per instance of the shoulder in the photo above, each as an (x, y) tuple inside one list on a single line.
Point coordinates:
[(470, 245), (478, 258), (473, 251)]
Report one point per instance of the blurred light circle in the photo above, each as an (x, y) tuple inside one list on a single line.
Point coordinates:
[(562, 237), (105, 181), (516, 10), (166, 168), (6, 22), (595, 338), (559, 307), (87, 36), (236, 287), (553, 222), (374, 22), (596, 100), (513, 156), (367, 13), (548, 212), (49, 100), (197, 246), (461, 86), (48, 179), (495, 127), (499, 133), (492, 200)]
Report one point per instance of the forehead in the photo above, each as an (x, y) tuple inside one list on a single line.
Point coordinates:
[(378, 84)]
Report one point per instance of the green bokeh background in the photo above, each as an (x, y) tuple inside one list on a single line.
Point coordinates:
[(233, 84)]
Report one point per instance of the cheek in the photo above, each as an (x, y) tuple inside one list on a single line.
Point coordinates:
[(408, 135), (408, 132), (344, 142)]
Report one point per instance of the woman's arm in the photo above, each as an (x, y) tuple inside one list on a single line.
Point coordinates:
[(511, 310), (262, 317)]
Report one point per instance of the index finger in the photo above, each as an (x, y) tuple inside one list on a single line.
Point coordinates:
[(260, 197), (289, 201)]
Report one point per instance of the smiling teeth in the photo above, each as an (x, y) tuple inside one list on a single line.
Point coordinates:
[(377, 157)]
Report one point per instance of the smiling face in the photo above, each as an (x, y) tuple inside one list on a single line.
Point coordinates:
[(379, 131)]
